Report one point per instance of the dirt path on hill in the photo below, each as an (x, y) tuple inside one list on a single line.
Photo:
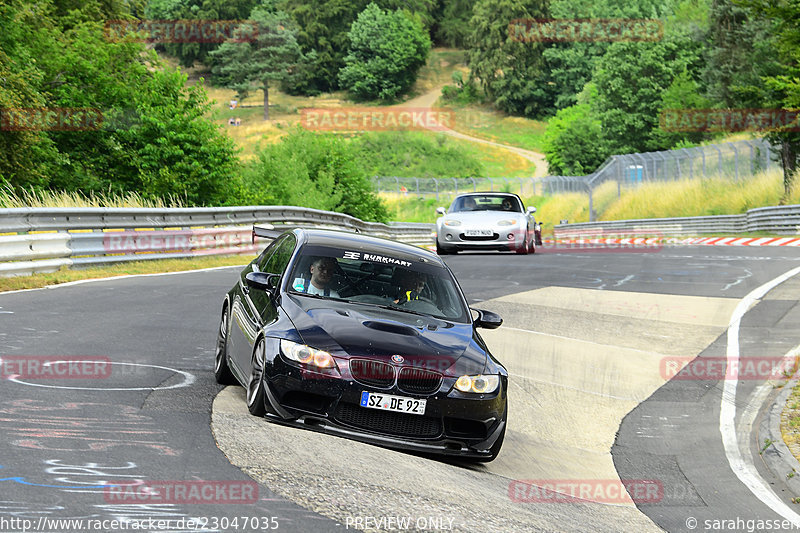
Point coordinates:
[(428, 99)]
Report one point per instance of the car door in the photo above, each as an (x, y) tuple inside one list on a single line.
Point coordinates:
[(257, 309)]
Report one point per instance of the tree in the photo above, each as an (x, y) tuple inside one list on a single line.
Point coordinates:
[(200, 10), (781, 90), (271, 57), (571, 63), (452, 28), (631, 79), (512, 73), (154, 138), (740, 52), (311, 170), (386, 51), (574, 143), (684, 93)]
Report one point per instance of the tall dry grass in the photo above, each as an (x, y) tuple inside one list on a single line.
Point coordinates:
[(10, 199), (710, 196)]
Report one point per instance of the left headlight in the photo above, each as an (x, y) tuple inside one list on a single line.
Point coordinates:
[(480, 384), (452, 222), (507, 222), (307, 355)]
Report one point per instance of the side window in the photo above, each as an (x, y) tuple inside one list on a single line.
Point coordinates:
[(266, 254), (276, 263)]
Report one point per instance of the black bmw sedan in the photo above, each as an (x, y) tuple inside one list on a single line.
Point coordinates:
[(363, 338)]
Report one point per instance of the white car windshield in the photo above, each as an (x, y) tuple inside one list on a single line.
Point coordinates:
[(378, 279), (486, 202)]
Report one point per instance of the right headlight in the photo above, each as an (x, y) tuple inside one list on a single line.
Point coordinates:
[(452, 222), (480, 383)]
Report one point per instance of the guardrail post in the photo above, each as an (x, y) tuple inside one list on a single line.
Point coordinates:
[(417, 180), (644, 166), (735, 159), (703, 153), (752, 158), (719, 155)]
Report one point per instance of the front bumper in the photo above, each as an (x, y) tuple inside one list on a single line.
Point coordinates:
[(454, 423), (502, 238)]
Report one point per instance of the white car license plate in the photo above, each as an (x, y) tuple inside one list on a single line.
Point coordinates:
[(387, 402), (478, 233)]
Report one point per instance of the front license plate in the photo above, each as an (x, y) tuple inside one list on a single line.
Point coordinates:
[(478, 233), (387, 402)]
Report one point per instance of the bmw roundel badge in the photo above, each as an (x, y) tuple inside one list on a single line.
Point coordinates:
[(397, 359)]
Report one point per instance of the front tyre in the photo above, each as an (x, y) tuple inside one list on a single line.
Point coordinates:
[(222, 373), (523, 248), (442, 251), (255, 385)]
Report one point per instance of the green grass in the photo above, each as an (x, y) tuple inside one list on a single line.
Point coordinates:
[(496, 161), (486, 123)]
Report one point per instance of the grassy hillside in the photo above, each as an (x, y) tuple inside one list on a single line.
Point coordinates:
[(478, 121)]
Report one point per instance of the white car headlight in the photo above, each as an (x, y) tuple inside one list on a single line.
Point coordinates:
[(508, 222), (481, 384), (452, 222), (307, 355)]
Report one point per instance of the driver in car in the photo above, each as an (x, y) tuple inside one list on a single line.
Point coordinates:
[(411, 286), (322, 270)]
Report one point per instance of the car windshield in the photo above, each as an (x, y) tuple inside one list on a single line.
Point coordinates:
[(486, 202), (378, 279)]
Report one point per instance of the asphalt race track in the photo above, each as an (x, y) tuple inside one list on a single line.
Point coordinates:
[(586, 337)]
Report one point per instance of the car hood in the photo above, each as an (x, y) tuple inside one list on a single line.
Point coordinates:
[(484, 217), (359, 330)]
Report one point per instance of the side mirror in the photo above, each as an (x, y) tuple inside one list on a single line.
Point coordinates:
[(262, 281), (487, 319), (440, 211), (530, 210)]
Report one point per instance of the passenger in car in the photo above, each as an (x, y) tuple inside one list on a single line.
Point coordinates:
[(411, 286)]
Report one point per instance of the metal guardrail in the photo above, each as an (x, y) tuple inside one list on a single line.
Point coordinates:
[(778, 220), (47, 239)]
